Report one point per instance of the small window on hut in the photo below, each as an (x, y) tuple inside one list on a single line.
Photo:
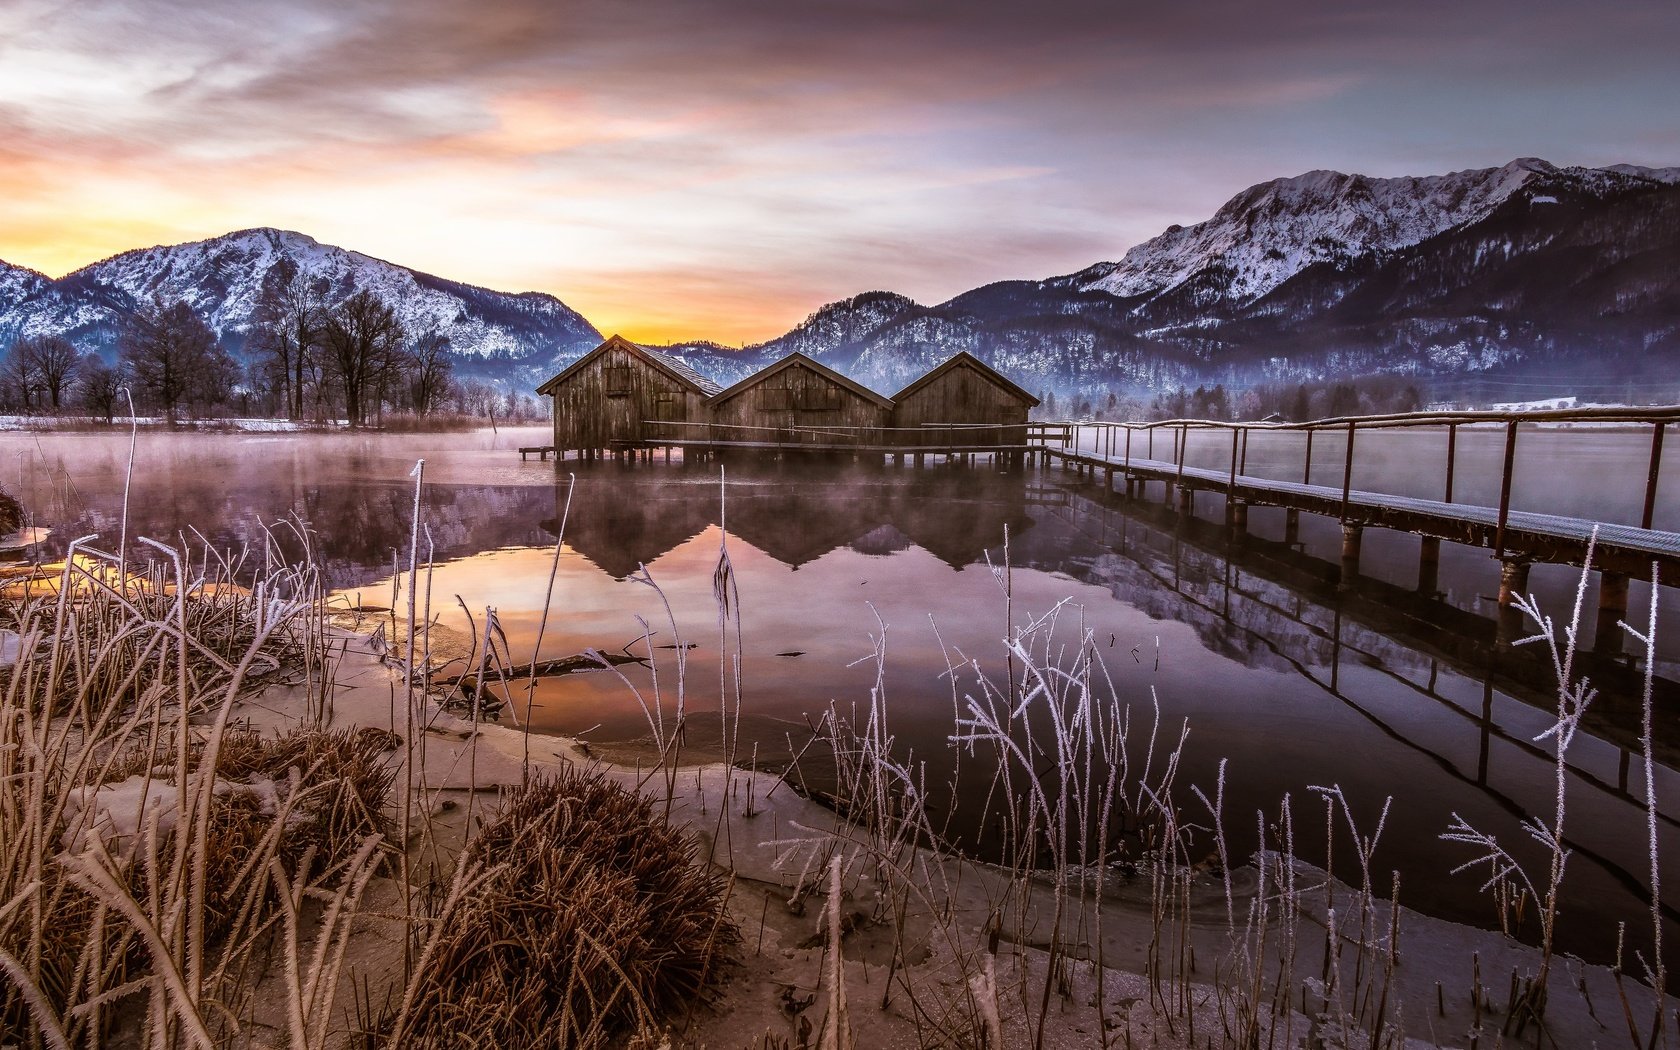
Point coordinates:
[(667, 407), (618, 380), (776, 398), (819, 399)]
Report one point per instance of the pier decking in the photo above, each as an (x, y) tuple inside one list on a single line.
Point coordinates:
[(1522, 535)]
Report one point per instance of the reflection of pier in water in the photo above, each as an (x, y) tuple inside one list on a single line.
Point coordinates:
[(1230, 577)]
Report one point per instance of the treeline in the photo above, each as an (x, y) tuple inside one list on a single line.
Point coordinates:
[(1293, 402), (307, 360)]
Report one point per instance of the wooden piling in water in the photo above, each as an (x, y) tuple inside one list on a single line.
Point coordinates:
[(1513, 584), (1429, 565), (1353, 538), (1612, 609)]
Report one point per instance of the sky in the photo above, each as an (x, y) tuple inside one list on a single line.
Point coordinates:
[(718, 169)]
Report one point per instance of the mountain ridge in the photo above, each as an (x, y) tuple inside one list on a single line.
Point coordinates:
[(1262, 292), (1525, 267), (223, 278)]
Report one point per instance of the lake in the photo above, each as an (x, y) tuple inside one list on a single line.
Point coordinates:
[(1295, 677)]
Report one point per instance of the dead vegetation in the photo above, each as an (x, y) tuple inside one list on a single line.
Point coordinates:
[(577, 915)]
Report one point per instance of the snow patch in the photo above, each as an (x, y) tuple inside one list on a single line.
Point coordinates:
[(119, 814)]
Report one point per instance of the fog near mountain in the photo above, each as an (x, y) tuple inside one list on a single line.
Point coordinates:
[(1525, 273)]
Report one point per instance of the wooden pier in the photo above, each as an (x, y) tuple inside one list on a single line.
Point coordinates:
[(1519, 539)]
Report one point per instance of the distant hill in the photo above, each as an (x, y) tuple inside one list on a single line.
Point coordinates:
[(496, 334)]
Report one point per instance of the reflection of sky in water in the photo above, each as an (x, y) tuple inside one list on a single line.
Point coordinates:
[(1259, 661)]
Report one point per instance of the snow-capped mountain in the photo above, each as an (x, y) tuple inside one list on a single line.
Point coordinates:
[(1558, 273), (1269, 233), (1563, 272), (223, 279), (18, 283)]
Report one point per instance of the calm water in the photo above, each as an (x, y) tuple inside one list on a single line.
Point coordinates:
[(1294, 679)]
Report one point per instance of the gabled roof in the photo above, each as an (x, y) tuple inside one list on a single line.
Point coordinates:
[(707, 384), (963, 357), (818, 367), (671, 366)]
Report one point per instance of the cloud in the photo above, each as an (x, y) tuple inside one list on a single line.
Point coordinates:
[(733, 162)]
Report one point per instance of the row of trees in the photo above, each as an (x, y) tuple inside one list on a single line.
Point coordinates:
[(357, 351), (48, 374), (308, 359), (1296, 402)]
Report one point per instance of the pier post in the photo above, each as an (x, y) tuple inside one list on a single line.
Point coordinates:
[(1292, 526), (1429, 565), (1353, 537), (1108, 481), (1652, 474), (1452, 459), (1347, 471), (1237, 514), (1612, 609), (1505, 477), (1186, 500), (1513, 583)]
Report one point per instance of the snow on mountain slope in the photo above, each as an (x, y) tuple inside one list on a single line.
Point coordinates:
[(18, 282), (1269, 233), (836, 325), (223, 279)]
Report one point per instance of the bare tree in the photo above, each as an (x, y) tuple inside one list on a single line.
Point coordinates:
[(429, 369), (287, 328), (174, 357), (101, 387), (363, 341), (54, 361), (19, 378)]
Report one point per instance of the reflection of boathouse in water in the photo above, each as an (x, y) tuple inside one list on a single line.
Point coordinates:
[(621, 523), (628, 400)]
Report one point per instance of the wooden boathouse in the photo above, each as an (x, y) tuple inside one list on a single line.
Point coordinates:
[(962, 402), (627, 400), (613, 396), (798, 401)]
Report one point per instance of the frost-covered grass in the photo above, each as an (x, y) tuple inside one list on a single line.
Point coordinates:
[(156, 852), (150, 844)]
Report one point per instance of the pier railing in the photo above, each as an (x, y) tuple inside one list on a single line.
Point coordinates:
[(1128, 440)]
